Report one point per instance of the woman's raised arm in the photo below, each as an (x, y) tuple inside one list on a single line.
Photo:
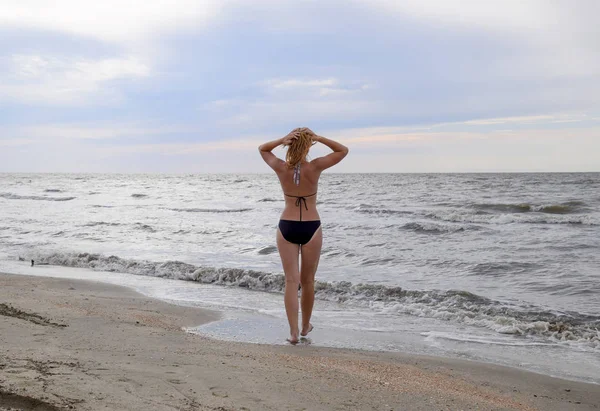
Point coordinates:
[(267, 148), (339, 152)]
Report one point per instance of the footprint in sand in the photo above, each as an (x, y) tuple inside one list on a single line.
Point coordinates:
[(218, 392)]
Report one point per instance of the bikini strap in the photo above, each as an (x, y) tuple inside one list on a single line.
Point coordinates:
[(299, 200), (309, 195)]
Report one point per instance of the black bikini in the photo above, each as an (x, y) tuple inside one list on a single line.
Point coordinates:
[(299, 232)]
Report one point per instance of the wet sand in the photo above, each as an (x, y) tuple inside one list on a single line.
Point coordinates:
[(72, 344)]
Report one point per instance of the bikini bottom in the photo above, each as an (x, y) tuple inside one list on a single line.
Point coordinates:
[(298, 232)]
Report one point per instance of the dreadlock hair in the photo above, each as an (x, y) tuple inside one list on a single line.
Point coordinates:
[(298, 149)]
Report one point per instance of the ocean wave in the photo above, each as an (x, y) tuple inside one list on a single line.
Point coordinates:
[(377, 261), (428, 228), (376, 245), (564, 208), (587, 181), (367, 209), (100, 223), (452, 305), (144, 227), (136, 195), (500, 269), (267, 250), (11, 196), (210, 210), (52, 190), (456, 216), (268, 200)]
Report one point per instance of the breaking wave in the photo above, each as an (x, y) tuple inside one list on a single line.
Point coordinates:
[(452, 305), (460, 216), (570, 207)]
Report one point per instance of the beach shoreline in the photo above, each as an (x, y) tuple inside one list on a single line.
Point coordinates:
[(86, 345)]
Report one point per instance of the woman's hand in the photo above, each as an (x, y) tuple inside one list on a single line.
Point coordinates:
[(287, 140), (313, 136), (295, 133)]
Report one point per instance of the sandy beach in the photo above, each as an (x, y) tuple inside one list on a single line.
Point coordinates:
[(67, 344)]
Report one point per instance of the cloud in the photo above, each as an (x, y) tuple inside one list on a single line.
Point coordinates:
[(123, 137), (528, 15), (295, 83), (51, 132), (378, 140), (14, 142), (66, 81), (539, 22), (505, 120), (108, 20), (276, 102), (312, 87), (185, 149), (550, 39)]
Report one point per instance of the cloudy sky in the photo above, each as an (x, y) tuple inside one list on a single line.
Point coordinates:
[(197, 85)]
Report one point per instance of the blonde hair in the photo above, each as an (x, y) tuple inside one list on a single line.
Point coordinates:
[(298, 149)]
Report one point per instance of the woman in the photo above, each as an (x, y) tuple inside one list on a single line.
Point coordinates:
[(299, 230)]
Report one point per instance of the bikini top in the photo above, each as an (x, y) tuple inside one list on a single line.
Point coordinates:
[(299, 200)]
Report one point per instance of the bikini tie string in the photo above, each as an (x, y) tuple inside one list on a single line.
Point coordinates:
[(299, 200)]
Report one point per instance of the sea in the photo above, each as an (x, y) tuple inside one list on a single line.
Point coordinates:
[(502, 268)]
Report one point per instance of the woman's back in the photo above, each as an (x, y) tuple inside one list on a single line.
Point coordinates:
[(301, 199)]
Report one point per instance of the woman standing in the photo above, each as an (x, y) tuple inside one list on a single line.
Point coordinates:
[(299, 235)]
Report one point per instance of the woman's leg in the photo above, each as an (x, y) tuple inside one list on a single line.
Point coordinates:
[(311, 252), (289, 260)]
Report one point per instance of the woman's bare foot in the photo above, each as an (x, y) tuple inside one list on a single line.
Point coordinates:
[(306, 330), (293, 338), (292, 341)]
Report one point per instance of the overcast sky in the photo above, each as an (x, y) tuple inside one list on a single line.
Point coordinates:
[(196, 86)]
